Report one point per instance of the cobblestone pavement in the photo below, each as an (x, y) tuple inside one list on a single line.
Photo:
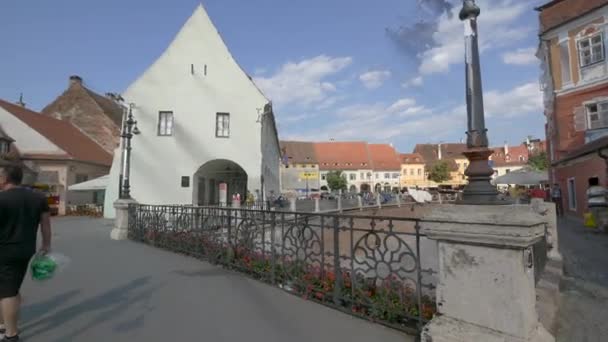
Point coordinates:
[(124, 291), (583, 315)]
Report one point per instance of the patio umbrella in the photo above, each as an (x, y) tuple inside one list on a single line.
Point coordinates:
[(94, 184), (523, 177)]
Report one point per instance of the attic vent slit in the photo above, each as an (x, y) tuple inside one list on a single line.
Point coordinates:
[(205, 70), (192, 69)]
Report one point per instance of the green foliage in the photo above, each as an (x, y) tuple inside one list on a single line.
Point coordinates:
[(336, 181), (440, 172), (539, 161)]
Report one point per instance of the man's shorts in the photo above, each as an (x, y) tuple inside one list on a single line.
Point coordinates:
[(12, 272)]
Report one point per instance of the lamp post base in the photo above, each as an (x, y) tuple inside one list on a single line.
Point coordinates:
[(480, 190)]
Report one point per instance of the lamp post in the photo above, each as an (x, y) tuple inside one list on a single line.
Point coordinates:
[(129, 128), (479, 189)]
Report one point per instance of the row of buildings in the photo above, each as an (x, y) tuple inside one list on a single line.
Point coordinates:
[(380, 168), (574, 78)]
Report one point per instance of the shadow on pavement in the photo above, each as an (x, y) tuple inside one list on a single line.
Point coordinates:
[(34, 311), (109, 305)]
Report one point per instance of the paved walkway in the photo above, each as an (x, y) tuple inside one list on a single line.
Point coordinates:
[(124, 291), (584, 304)]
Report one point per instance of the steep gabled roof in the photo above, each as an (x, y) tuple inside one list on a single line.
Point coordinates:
[(384, 157), (61, 133), (5, 136)]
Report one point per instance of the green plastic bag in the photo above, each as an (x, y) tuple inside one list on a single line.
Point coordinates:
[(45, 266)]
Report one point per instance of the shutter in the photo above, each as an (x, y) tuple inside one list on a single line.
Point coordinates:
[(580, 119)]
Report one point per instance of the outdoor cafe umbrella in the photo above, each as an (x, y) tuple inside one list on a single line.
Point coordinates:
[(523, 177)]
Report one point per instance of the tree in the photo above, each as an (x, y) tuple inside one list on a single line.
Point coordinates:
[(440, 172), (539, 161), (336, 181)]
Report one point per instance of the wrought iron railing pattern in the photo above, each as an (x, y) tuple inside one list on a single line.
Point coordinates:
[(368, 266)]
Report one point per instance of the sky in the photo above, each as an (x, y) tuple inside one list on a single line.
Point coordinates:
[(388, 71)]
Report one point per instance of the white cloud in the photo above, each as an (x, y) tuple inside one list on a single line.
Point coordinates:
[(417, 81), (375, 78), (497, 27), (401, 105), (523, 56), (519, 101), (303, 82)]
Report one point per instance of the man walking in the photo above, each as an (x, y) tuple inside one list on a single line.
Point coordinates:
[(21, 212), (556, 197), (596, 202)]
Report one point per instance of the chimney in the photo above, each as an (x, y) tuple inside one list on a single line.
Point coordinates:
[(506, 148), (20, 102), (75, 79), (439, 151)]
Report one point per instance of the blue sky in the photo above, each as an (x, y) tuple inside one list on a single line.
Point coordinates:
[(386, 71)]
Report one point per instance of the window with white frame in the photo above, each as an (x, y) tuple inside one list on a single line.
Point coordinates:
[(222, 125), (597, 115), (395, 176), (165, 123), (564, 52), (387, 176), (362, 175), (419, 172), (591, 50), (323, 177), (353, 176), (411, 172), (4, 147)]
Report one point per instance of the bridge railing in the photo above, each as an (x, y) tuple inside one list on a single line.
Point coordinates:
[(379, 268)]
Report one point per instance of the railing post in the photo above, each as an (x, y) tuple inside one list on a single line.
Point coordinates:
[(378, 201), (337, 267), (398, 200), (340, 202), (317, 207), (273, 255), (360, 202), (485, 285), (292, 204), (121, 222)]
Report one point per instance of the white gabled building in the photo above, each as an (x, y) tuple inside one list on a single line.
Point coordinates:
[(203, 122)]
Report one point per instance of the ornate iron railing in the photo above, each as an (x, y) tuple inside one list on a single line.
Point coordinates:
[(368, 266)]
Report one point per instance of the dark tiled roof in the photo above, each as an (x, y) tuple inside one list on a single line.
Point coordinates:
[(109, 107), (61, 133), (300, 152), (411, 158)]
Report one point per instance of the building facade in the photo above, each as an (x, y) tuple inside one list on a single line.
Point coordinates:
[(56, 151), (386, 166), (204, 125), (299, 168), (352, 159), (574, 78), (413, 173), (449, 153), (508, 159), (99, 117)]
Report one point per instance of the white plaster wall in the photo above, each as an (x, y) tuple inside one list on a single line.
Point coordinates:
[(159, 162), (92, 171), (112, 188), (26, 138)]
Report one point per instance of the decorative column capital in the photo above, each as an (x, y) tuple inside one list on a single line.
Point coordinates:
[(469, 10)]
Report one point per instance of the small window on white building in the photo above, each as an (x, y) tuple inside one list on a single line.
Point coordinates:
[(564, 52), (597, 115), (395, 176), (387, 176), (323, 177), (4, 147), (411, 172), (591, 50), (165, 123), (222, 125), (362, 175), (377, 175), (419, 172), (352, 176)]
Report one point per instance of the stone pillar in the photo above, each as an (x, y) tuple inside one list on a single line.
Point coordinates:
[(378, 201), (548, 211), (360, 202), (485, 289), (399, 200), (340, 202), (317, 208), (121, 222), (292, 204)]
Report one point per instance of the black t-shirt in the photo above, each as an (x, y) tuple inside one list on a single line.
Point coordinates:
[(20, 211)]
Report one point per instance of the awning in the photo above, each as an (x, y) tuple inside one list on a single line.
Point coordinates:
[(92, 185), (523, 177)]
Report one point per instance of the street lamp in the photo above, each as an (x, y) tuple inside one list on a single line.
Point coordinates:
[(479, 189), (129, 128)]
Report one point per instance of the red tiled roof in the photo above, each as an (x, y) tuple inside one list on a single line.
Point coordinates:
[(411, 158), (300, 152), (499, 157), (559, 12), (336, 155), (384, 157), (61, 133)]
